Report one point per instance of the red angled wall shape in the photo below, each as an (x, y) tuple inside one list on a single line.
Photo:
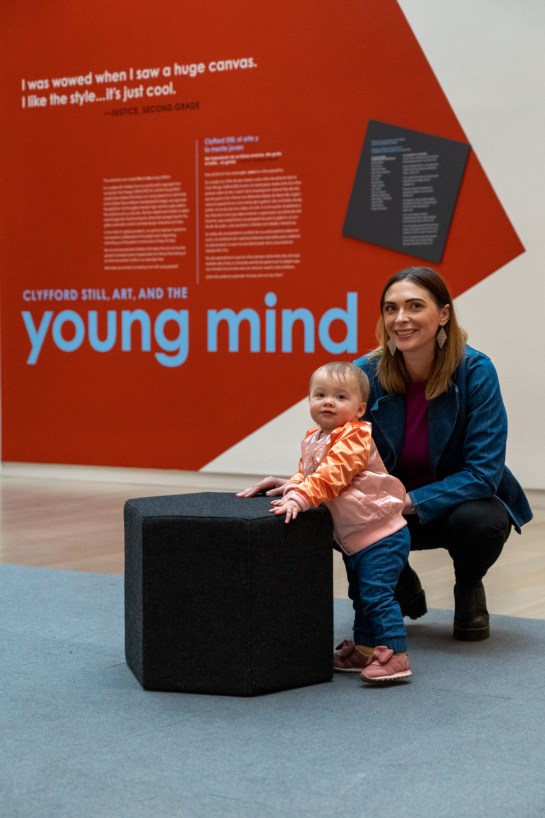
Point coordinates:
[(174, 183)]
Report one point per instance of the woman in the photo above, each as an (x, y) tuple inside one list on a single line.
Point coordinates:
[(440, 426)]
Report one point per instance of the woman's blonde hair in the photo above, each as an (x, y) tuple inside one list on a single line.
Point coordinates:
[(391, 369)]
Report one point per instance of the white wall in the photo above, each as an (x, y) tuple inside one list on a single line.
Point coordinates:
[(489, 58)]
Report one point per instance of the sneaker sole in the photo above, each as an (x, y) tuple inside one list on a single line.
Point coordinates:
[(347, 669), (396, 677)]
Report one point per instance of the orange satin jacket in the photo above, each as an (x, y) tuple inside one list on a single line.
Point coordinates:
[(344, 471)]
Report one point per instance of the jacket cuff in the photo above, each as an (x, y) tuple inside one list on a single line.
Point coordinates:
[(300, 499)]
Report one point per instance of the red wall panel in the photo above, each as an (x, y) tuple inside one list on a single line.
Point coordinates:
[(226, 190)]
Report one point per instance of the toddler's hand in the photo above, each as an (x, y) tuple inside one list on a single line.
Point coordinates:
[(286, 506)]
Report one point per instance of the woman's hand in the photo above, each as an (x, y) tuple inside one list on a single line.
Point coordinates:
[(270, 486)]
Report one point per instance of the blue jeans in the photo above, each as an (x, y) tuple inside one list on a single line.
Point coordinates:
[(372, 578)]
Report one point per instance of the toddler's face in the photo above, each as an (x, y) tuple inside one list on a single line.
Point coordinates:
[(333, 402)]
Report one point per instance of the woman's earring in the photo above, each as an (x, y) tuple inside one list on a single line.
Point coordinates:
[(391, 346), (441, 338)]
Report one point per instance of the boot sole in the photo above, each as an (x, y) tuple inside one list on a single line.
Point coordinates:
[(471, 634)]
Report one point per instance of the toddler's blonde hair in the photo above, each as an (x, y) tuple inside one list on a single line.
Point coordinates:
[(343, 370)]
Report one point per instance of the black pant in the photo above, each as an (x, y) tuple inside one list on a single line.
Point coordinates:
[(473, 533)]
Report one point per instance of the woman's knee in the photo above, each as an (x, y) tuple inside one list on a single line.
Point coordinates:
[(479, 521)]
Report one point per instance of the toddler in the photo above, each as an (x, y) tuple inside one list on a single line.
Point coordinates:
[(341, 467)]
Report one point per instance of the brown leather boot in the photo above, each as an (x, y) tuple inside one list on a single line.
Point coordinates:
[(471, 619)]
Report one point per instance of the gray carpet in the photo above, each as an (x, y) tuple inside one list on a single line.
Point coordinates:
[(79, 738)]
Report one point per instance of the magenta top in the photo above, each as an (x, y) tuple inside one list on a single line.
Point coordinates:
[(413, 467)]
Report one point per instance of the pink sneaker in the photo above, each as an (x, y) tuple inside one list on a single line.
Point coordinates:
[(387, 666), (349, 658)]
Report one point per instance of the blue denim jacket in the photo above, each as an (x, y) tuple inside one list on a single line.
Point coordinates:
[(467, 440)]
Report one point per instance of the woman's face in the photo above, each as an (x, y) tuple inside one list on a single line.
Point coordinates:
[(412, 318)]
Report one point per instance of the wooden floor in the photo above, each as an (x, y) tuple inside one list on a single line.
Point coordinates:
[(72, 518)]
